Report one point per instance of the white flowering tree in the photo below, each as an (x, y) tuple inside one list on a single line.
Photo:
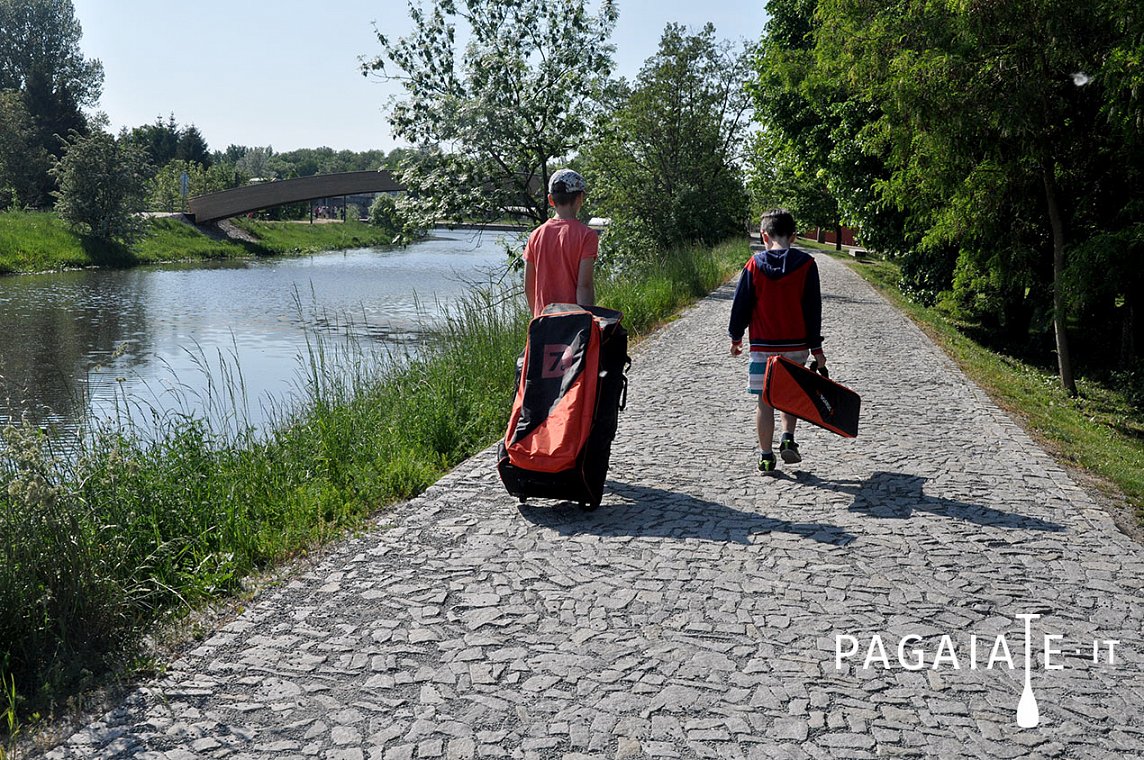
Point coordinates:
[(491, 116)]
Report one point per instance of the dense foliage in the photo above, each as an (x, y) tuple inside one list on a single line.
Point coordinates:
[(101, 180), (167, 141), (664, 163), (994, 147), (45, 82)]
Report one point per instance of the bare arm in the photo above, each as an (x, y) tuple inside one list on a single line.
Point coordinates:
[(586, 283), (530, 285)]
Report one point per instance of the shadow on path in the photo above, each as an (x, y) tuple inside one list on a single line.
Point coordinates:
[(896, 495), (837, 298), (646, 512)]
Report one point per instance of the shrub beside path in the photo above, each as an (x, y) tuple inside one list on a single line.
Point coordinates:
[(698, 612)]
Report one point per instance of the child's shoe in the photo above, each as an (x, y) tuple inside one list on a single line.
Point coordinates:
[(767, 463), (788, 450)]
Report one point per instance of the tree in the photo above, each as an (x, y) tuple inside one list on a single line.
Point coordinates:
[(101, 185), (160, 140), (231, 155), (668, 160), (812, 153), (490, 121), (255, 163), (789, 150), (22, 161), (385, 214), (165, 190), (306, 162), (192, 147), (998, 117), (40, 58)]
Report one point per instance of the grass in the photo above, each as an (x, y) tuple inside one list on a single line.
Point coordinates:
[(172, 240), (301, 237), (37, 241), (654, 293), (143, 529), (1100, 431)]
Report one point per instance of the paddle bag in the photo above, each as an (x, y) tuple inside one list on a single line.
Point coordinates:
[(810, 395), (570, 389)]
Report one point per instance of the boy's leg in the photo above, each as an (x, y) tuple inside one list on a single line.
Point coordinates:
[(765, 426), (788, 449)]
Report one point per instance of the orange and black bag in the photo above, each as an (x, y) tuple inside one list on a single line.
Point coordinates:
[(570, 389), (810, 395)]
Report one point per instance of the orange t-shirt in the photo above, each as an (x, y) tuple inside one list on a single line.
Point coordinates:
[(556, 249)]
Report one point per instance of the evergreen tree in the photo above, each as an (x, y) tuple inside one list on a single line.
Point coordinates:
[(40, 58), (192, 147)]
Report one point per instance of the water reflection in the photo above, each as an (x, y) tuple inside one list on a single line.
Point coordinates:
[(75, 345)]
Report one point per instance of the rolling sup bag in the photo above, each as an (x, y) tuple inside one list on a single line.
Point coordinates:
[(810, 395), (570, 389)]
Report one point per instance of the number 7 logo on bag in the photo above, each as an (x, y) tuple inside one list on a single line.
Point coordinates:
[(557, 359)]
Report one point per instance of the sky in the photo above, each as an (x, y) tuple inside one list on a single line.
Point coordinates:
[(286, 74)]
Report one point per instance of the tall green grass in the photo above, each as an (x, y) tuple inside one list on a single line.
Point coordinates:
[(655, 291), (99, 544)]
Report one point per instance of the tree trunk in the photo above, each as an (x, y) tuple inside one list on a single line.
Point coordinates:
[(820, 235), (1064, 359), (838, 236)]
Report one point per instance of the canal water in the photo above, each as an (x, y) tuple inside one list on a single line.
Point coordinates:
[(230, 339)]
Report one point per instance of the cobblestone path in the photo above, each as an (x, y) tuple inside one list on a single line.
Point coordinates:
[(700, 611)]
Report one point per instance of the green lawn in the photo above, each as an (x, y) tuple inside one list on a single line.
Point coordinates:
[(301, 237), (37, 241)]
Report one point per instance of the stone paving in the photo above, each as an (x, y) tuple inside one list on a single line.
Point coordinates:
[(704, 610)]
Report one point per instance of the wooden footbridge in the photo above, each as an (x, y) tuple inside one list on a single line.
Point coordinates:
[(241, 200)]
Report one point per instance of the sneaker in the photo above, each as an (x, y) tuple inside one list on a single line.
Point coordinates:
[(788, 450), (767, 463)]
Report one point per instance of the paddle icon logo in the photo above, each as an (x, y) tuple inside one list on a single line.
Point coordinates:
[(914, 652), (1028, 715)]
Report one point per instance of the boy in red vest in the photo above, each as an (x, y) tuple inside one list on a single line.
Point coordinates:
[(779, 302), (561, 253)]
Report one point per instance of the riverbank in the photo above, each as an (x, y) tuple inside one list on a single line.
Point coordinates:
[(36, 241), (154, 529), (1099, 434)]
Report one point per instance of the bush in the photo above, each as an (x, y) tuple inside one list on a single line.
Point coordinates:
[(386, 214), (102, 181)]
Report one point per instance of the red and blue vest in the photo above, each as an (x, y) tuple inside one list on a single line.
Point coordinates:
[(779, 302)]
